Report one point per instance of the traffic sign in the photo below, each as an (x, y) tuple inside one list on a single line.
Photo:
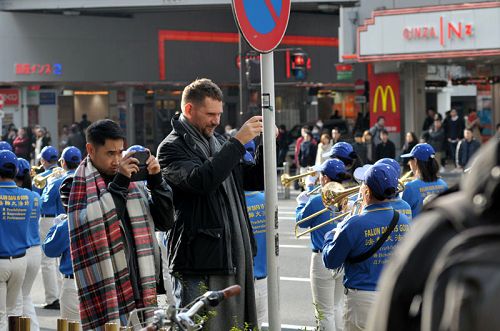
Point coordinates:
[(262, 22)]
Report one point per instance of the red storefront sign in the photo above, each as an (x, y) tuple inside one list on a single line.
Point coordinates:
[(384, 100), (10, 96)]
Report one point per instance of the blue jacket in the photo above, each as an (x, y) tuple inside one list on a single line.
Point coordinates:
[(401, 206), (14, 219), (416, 191), (56, 244), (255, 205), (355, 236), (50, 197), (312, 206), (33, 227)]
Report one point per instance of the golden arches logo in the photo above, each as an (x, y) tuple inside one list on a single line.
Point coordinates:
[(384, 92)]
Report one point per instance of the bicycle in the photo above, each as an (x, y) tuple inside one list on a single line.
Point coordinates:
[(183, 319)]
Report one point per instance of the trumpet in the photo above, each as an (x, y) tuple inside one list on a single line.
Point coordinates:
[(332, 194), (314, 228), (40, 181), (407, 177), (286, 179), (35, 170), (314, 191)]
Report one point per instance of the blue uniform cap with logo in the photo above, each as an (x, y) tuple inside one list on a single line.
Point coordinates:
[(71, 154), (49, 154), (8, 162), (421, 152), (393, 163), (382, 179), (250, 152), (23, 167), (341, 150), (331, 168), (5, 146)]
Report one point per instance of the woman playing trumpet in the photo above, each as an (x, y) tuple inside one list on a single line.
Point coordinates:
[(327, 291)]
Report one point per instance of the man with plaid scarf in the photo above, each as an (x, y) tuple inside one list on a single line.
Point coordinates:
[(112, 222)]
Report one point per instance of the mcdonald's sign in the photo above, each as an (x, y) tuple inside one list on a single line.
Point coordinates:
[(384, 97)]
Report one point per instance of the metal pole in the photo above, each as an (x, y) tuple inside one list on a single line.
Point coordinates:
[(14, 323), (271, 189), (111, 327), (25, 323), (73, 326), (62, 324), (286, 170)]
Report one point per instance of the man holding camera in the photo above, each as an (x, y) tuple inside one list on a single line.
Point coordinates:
[(112, 220), (211, 242)]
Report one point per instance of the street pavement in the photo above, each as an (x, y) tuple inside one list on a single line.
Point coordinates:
[(296, 305)]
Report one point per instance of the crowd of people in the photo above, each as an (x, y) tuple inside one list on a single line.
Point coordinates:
[(127, 225)]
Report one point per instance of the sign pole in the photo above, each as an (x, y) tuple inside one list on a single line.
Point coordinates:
[(271, 189)]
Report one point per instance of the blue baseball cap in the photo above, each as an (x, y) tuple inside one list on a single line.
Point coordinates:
[(8, 162), (341, 150), (250, 151), (331, 168), (393, 163), (49, 153), (422, 152), (359, 172), (382, 179), (23, 167), (71, 154), (5, 146)]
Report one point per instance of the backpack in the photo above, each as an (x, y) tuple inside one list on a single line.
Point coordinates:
[(445, 275)]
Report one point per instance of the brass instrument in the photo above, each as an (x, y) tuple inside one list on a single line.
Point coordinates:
[(40, 181), (35, 170), (407, 177), (286, 179), (332, 194), (314, 191)]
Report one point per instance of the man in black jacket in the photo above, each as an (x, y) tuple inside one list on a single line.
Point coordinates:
[(386, 147), (466, 148), (211, 242)]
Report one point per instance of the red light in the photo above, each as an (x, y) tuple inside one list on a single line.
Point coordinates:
[(299, 60)]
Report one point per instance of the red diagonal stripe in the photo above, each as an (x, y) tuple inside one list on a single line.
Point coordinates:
[(270, 6)]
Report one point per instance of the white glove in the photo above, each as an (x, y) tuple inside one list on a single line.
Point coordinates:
[(311, 180), (60, 218), (302, 198)]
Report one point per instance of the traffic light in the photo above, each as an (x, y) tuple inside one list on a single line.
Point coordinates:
[(299, 63)]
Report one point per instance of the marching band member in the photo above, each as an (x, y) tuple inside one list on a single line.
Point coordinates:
[(14, 225), (397, 203), (33, 253), (358, 243), (326, 285), (345, 153), (425, 168)]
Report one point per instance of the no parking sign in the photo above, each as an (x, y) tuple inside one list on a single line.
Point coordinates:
[(262, 22)]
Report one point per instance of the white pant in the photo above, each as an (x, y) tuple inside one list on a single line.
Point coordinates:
[(328, 294), (12, 273), (357, 307), (70, 305), (261, 300), (49, 265), (167, 280), (24, 302)]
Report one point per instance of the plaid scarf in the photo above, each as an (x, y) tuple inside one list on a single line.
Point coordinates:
[(98, 249)]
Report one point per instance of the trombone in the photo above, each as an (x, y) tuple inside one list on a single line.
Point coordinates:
[(332, 194), (286, 179), (40, 181)]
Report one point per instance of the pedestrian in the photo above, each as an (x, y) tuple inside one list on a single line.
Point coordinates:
[(370, 147), (14, 226), (324, 146), (51, 206), (360, 148), (22, 145), (111, 219), (336, 135), (437, 140), (56, 243), (326, 285), (76, 138), (386, 147), (474, 124), (454, 132), (360, 243), (466, 148), (41, 141), (425, 169), (282, 143), (211, 244), (63, 138), (34, 252), (303, 132), (307, 153), (410, 142), (375, 130), (429, 119), (11, 134), (84, 123)]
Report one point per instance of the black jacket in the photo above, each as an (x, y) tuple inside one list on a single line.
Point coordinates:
[(385, 150), (200, 240), (465, 150)]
